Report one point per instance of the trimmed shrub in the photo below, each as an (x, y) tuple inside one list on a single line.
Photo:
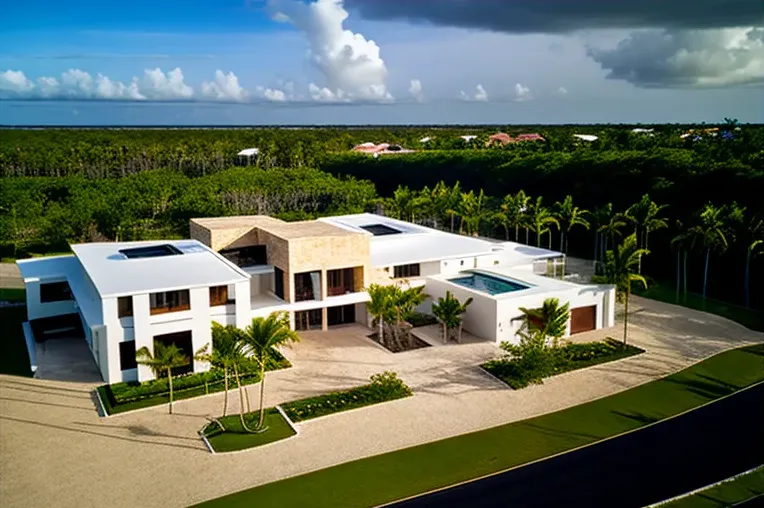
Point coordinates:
[(417, 319), (383, 387)]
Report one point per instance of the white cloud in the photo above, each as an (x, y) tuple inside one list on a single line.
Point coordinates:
[(15, 81), (226, 87), (415, 89), (480, 95), (324, 94), (78, 84), (522, 93), (562, 91), (351, 64), (686, 58)]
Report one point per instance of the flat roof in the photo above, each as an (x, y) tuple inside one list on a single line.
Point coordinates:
[(280, 228), (46, 268), (113, 274)]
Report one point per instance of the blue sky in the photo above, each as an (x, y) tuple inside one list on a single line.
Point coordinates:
[(367, 61)]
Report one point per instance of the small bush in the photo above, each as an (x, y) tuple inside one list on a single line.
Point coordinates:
[(417, 319), (383, 387)]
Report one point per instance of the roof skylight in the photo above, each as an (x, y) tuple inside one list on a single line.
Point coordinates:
[(380, 230), (152, 251)]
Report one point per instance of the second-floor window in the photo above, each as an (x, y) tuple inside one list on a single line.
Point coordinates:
[(169, 301), (307, 286), (340, 282), (218, 296), (254, 255), (278, 282), (125, 306), (406, 271), (55, 292)]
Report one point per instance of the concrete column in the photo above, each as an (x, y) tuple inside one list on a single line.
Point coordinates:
[(243, 305), (142, 329), (201, 328), (324, 316)]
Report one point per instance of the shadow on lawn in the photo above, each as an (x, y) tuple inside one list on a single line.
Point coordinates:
[(640, 418), (706, 386)]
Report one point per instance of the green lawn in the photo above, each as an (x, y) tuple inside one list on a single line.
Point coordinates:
[(395, 475), (13, 294), (749, 318), (740, 489), (236, 438), (14, 358)]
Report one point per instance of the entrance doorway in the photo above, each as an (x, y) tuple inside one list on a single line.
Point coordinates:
[(583, 319), (307, 320), (340, 315), (181, 340)]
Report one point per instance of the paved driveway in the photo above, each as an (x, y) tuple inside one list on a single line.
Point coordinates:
[(66, 359), (56, 451)]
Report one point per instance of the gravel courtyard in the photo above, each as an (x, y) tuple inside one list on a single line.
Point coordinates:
[(56, 451)]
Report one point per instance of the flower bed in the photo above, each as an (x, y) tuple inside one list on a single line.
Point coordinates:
[(383, 387), (562, 359), (127, 396)]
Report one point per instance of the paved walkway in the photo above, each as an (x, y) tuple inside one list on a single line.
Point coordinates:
[(56, 452)]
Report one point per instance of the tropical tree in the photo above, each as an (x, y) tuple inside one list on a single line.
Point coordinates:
[(161, 362), (644, 215), (449, 311), (451, 199), (540, 219), (381, 307), (258, 340), (755, 247), (404, 203), (608, 226), (713, 231), (390, 306), (226, 353), (620, 271), (472, 211), (681, 259), (569, 216), (551, 319)]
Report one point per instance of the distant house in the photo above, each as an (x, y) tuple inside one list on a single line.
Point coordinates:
[(586, 137), (425, 140), (697, 134), (642, 131), (468, 138), (380, 149), (247, 156), (500, 137), (529, 137)]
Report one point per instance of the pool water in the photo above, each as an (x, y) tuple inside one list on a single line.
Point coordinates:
[(488, 284)]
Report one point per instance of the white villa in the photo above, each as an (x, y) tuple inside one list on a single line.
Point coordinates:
[(128, 295)]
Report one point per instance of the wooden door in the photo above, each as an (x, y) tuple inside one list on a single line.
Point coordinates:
[(583, 319)]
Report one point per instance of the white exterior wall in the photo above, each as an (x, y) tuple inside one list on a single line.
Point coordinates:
[(480, 318), (37, 309)]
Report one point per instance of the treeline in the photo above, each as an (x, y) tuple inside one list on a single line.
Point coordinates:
[(102, 153), (45, 214)]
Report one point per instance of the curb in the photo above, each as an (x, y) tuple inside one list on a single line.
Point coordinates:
[(701, 489), (245, 450)]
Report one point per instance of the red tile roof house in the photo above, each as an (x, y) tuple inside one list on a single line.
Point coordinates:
[(382, 148), (530, 137), (506, 139)]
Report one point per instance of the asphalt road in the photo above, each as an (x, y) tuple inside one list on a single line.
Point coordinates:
[(656, 463)]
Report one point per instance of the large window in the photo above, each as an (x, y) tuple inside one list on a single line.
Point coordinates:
[(181, 340), (55, 292), (339, 282), (406, 271), (307, 286), (127, 355), (219, 296), (278, 284), (246, 256), (125, 306), (169, 301)]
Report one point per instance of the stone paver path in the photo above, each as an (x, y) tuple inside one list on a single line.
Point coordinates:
[(55, 451)]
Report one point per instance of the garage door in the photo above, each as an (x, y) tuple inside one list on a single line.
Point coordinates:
[(583, 319)]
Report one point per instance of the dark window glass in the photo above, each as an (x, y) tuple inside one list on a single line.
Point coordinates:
[(339, 282), (406, 271), (127, 355), (278, 285), (169, 301), (218, 295), (307, 286), (246, 256), (181, 340), (125, 306), (153, 251), (55, 292)]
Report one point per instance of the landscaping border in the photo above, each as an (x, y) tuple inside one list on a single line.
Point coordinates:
[(291, 424), (707, 487), (587, 445)]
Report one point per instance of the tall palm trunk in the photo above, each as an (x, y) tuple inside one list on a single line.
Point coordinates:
[(526, 236), (225, 396), (452, 222), (550, 239), (596, 244), (705, 273), (684, 268), (241, 400), (381, 331), (626, 311), (678, 267), (748, 279), (261, 419), (562, 241), (169, 380), (517, 233)]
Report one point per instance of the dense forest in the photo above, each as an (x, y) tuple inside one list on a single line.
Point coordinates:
[(73, 185)]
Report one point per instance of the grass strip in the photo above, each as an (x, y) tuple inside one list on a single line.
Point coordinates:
[(396, 475), (742, 488), (236, 438), (13, 295), (14, 358), (749, 318)]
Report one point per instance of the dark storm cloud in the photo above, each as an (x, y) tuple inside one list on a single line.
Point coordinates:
[(560, 16)]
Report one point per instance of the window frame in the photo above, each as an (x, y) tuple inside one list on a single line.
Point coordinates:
[(215, 293), (407, 271), (182, 303), (124, 310)]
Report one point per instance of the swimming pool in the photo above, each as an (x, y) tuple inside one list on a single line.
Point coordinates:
[(488, 283)]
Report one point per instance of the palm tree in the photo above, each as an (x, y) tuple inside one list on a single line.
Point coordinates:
[(452, 198), (551, 320), (540, 219), (403, 203), (380, 307), (226, 352), (713, 231), (644, 216), (258, 340), (681, 252), (165, 358), (472, 210), (569, 216), (449, 312), (756, 247), (619, 270), (609, 224), (405, 301)]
